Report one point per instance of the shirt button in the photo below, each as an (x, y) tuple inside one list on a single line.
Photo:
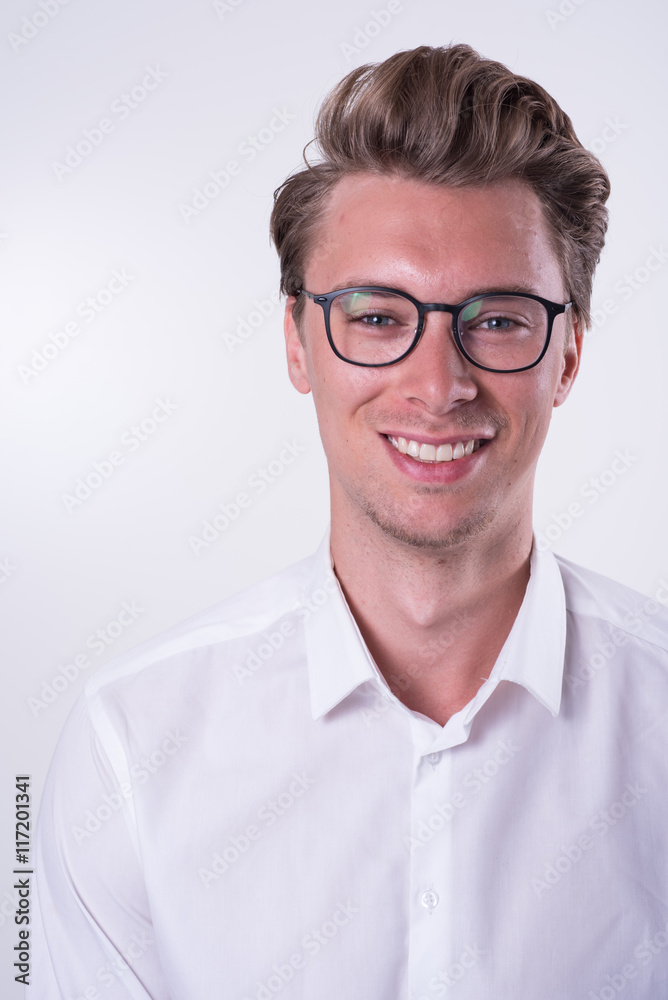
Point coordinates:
[(429, 899), (433, 758)]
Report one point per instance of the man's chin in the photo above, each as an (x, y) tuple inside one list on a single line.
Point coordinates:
[(436, 536)]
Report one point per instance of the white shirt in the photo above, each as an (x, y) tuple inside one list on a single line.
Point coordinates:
[(241, 808)]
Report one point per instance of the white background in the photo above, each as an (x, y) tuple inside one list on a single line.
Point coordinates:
[(167, 334)]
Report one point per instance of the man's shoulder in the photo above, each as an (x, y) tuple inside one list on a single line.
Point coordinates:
[(594, 596), (233, 621)]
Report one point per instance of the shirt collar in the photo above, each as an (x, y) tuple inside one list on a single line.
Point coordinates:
[(533, 654), (339, 661)]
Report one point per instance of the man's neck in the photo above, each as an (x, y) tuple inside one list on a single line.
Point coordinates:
[(433, 620)]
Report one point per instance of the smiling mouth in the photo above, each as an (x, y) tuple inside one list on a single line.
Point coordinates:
[(431, 453)]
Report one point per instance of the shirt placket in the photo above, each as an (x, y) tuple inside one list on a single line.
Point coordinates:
[(432, 905)]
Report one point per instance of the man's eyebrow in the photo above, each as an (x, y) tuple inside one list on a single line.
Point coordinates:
[(515, 288), (365, 282), (361, 283)]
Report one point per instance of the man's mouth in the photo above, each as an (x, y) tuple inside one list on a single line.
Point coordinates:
[(432, 453)]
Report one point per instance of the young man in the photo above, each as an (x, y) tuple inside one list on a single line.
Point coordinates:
[(429, 758)]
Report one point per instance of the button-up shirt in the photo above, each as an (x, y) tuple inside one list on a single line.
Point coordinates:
[(242, 808)]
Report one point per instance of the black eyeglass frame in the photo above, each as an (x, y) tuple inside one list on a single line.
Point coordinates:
[(325, 300)]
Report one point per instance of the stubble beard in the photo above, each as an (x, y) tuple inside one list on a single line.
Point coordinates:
[(392, 520)]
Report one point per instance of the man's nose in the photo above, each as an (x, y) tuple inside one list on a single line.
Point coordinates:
[(436, 374)]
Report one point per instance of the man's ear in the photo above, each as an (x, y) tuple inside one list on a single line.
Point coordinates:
[(295, 351), (570, 364)]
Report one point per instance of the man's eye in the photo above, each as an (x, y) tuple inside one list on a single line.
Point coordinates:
[(374, 319), (496, 323)]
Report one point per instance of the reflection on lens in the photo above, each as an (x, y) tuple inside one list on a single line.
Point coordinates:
[(471, 310), (354, 301)]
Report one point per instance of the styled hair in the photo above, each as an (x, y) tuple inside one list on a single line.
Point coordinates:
[(448, 116)]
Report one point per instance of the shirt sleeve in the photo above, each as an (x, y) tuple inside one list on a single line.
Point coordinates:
[(92, 935)]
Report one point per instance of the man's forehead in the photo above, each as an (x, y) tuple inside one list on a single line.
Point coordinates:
[(372, 217)]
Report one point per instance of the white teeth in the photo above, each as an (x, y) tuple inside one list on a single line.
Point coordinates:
[(431, 453)]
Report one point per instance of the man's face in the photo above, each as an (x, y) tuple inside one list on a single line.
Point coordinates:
[(439, 244)]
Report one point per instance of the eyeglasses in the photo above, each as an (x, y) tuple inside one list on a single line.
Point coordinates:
[(373, 326)]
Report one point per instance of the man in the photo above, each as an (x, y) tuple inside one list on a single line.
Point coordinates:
[(430, 759)]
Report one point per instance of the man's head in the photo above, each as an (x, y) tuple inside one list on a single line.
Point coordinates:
[(447, 116), (445, 178)]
